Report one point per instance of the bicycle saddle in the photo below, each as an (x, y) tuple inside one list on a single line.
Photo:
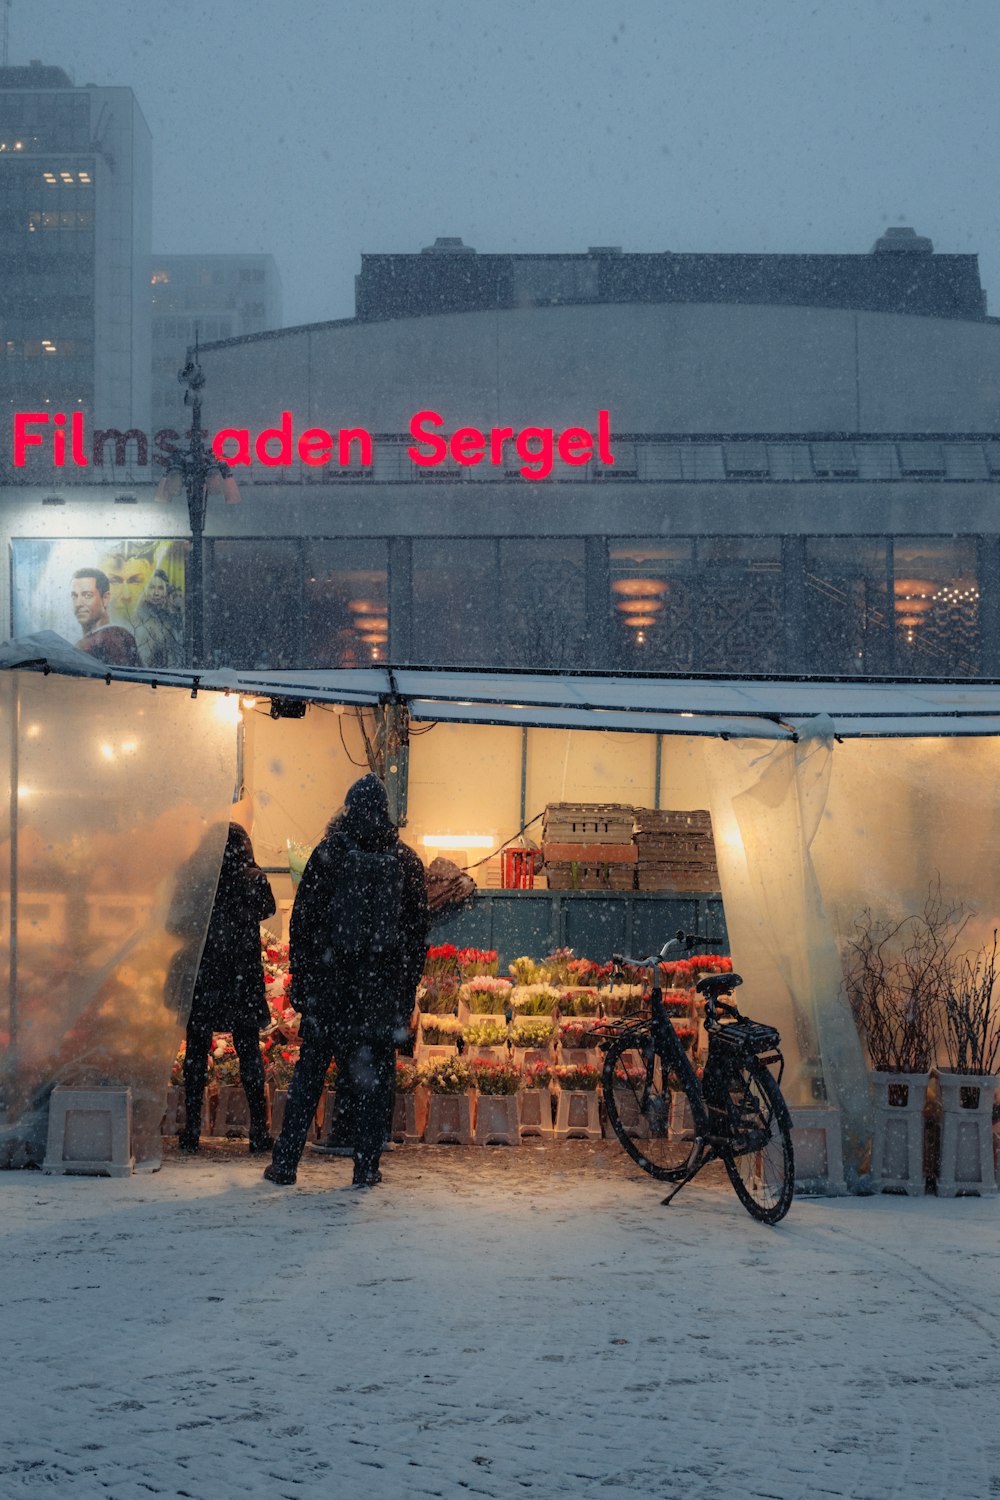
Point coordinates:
[(717, 984)]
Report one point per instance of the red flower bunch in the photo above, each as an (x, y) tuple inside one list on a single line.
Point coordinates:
[(493, 1077), (573, 1078), (538, 1075), (441, 961), (710, 963), (406, 1075), (475, 961), (584, 971)]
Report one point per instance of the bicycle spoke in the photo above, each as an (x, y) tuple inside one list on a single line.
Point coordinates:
[(645, 1097)]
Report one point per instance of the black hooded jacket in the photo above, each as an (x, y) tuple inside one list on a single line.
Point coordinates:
[(362, 994), (229, 990)]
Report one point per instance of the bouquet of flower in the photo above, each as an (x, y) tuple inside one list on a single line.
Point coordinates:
[(485, 995), (586, 971), (625, 999), (534, 999), (577, 1078), (578, 1032), (537, 1076), (177, 1071), (447, 1075), (407, 1075), (279, 1062), (473, 961), (440, 1031), (331, 1076), (579, 1001), (532, 1031), (485, 1034), (438, 997), (492, 1077), (526, 971), (678, 1003), (557, 966), (441, 962), (710, 963), (685, 1034), (225, 1064)]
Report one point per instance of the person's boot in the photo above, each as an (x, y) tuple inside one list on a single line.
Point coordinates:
[(261, 1141), (283, 1176), (188, 1141)]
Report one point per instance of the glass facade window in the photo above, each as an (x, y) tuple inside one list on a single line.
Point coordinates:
[(936, 607), (254, 606), (455, 596), (346, 604), (542, 604), (652, 605), (848, 624)]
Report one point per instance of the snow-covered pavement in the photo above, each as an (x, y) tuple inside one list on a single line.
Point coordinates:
[(490, 1322)]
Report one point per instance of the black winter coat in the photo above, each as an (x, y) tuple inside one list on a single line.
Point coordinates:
[(229, 989), (367, 997)]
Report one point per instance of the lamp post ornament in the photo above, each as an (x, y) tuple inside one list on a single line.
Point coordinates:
[(199, 473)]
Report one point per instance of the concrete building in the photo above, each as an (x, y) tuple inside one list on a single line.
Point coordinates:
[(806, 463), (75, 226), (209, 296)]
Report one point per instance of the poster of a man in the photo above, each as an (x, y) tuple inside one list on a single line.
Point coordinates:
[(90, 596), (145, 593)]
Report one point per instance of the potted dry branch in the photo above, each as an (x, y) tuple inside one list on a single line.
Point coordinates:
[(971, 1037), (896, 974)]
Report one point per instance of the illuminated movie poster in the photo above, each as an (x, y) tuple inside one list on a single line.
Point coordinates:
[(120, 601)]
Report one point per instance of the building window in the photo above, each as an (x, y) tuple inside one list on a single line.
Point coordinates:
[(542, 604), (346, 613), (848, 620), (935, 588), (455, 599), (652, 604), (254, 605)]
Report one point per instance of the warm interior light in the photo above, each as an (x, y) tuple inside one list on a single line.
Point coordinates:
[(640, 622), (374, 637), (457, 840), (364, 607), (638, 606), (374, 622), (639, 588), (227, 709), (248, 703)]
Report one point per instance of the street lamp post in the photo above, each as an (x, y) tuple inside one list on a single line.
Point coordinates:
[(197, 472)]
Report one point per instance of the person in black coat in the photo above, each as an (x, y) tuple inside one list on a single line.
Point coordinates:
[(357, 943), (229, 989)]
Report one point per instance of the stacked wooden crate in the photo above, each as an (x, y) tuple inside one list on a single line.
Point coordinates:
[(676, 851), (587, 846)]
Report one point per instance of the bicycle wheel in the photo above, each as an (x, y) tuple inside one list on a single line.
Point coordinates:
[(758, 1156), (647, 1101)]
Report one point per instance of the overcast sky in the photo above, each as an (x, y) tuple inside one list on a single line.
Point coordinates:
[(317, 131)]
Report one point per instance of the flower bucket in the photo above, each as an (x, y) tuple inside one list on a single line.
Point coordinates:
[(409, 1116), (898, 1140), (535, 1114), (232, 1113), (497, 1122), (279, 1099), (966, 1162), (819, 1158), (449, 1120), (577, 1115)]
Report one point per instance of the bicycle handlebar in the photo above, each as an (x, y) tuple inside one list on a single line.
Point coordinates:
[(679, 942)]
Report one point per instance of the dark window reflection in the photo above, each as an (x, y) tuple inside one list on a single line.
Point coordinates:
[(455, 593), (346, 614), (713, 604), (936, 607), (255, 604), (848, 622), (542, 603)]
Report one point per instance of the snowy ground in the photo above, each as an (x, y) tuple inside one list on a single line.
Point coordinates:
[(490, 1322)]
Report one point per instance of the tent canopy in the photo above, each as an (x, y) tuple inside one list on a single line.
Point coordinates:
[(737, 708)]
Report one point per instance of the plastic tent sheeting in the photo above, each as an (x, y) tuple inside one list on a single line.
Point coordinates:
[(107, 791)]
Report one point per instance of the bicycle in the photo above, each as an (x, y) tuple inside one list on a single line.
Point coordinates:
[(736, 1114)]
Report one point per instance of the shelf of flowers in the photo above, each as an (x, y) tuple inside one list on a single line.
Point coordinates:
[(533, 1039)]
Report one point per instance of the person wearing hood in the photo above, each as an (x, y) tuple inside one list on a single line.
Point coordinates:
[(229, 990), (357, 942)]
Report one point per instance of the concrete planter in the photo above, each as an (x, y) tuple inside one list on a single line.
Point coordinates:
[(449, 1120), (279, 1098), (409, 1116), (578, 1116), (819, 1160), (898, 1142), (630, 1116), (175, 1116), (232, 1114), (497, 1122), (966, 1159), (535, 1114)]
